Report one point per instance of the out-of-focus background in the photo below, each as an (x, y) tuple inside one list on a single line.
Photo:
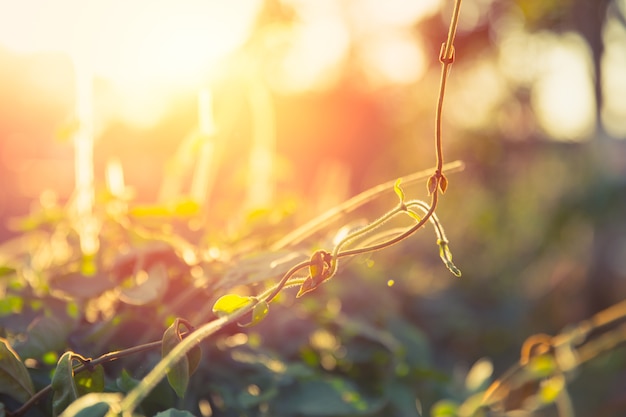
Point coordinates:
[(312, 101)]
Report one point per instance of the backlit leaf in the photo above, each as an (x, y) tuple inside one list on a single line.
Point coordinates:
[(229, 303), (398, 190), (258, 313), (14, 378), (446, 257)]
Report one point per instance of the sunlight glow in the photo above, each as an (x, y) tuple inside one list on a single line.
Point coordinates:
[(147, 49), (318, 46), (563, 97), (394, 57)]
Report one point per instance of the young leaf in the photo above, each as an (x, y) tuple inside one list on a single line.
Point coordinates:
[(413, 214), (229, 303), (258, 313), (14, 378), (320, 270), (398, 190), (63, 385), (178, 375), (316, 269), (446, 257)]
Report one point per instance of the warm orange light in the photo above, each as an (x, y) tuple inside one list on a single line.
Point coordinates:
[(147, 49)]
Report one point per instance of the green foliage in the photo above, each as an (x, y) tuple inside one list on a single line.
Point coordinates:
[(68, 387), (14, 378), (178, 375)]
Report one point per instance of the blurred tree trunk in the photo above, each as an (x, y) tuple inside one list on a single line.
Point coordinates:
[(588, 18)]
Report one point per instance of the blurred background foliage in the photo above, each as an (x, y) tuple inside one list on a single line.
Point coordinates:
[(217, 128)]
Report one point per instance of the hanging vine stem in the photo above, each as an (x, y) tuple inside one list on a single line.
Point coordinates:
[(436, 182), (323, 262)]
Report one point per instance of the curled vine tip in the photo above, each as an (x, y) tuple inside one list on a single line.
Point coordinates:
[(446, 257)]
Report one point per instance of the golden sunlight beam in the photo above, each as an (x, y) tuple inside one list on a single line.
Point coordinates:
[(146, 49)]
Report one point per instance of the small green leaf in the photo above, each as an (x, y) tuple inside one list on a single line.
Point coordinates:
[(14, 378), (413, 214), (258, 313), (229, 303), (63, 385), (178, 375), (446, 257), (398, 190)]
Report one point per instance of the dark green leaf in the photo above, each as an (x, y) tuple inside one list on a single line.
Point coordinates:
[(178, 376), (44, 334), (125, 382), (14, 378), (63, 385)]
